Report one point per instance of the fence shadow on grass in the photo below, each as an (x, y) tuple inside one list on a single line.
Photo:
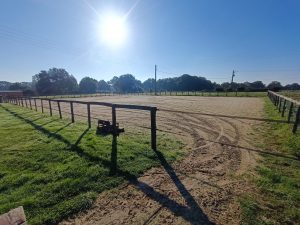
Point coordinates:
[(191, 213)]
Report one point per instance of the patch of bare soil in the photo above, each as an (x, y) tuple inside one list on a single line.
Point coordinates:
[(204, 187)]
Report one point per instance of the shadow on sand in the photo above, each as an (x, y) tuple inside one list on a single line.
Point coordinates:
[(267, 152)]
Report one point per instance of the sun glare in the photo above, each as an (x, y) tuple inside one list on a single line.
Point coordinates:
[(113, 30)]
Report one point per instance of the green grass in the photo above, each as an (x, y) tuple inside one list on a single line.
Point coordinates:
[(291, 94), (277, 200), (55, 168)]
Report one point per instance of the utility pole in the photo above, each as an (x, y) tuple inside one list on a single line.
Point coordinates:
[(155, 80), (233, 75)]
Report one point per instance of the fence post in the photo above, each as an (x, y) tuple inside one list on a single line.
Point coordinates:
[(89, 114), (30, 103), (114, 150), (283, 108), (59, 110), (290, 111), (153, 128), (35, 104), (26, 103), (50, 108), (296, 120), (72, 112), (279, 105), (42, 105)]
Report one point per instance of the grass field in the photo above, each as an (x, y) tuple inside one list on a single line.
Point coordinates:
[(278, 198), (55, 168), (291, 94)]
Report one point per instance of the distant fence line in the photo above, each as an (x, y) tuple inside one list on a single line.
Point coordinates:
[(32, 104), (286, 105), (167, 93)]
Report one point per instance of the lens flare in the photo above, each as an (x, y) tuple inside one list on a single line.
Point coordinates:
[(113, 30)]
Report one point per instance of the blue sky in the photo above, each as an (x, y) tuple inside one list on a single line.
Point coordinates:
[(258, 38)]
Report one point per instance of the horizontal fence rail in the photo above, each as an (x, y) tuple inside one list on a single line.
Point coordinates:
[(168, 93), (32, 104), (287, 106)]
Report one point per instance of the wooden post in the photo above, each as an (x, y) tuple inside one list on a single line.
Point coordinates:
[(153, 129), (30, 103), (89, 114), (290, 112), (283, 108), (279, 105), (50, 108), (26, 103), (42, 105), (59, 110), (72, 112), (35, 104), (22, 102), (114, 152), (296, 120)]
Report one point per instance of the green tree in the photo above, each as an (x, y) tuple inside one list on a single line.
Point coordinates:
[(88, 85), (126, 83), (149, 84), (17, 86), (54, 82), (103, 86), (293, 86), (274, 86)]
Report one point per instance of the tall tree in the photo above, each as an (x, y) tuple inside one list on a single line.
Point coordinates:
[(274, 86), (149, 84), (54, 82), (17, 86), (126, 83), (293, 86), (88, 85), (103, 86)]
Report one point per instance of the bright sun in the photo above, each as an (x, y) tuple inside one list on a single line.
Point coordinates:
[(113, 30)]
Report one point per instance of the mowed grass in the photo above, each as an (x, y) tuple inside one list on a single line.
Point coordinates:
[(54, 168), (277, 200), (291, 94)]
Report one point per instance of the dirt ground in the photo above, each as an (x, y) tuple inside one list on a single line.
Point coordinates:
[(204, 187)]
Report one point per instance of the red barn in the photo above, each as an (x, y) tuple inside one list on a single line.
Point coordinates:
[(4, 94)]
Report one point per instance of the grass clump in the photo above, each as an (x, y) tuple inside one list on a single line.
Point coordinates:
[(278, 198), (54, 168)]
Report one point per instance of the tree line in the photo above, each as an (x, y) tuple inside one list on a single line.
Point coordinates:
[(59, 82)]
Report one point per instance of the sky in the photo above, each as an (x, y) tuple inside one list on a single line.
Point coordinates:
[(260, 39)]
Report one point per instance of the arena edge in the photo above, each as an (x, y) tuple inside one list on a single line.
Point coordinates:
[(277, 199)]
